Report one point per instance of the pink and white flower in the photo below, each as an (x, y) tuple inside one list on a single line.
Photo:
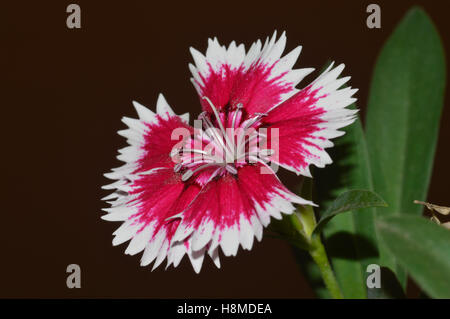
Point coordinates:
[(211, 188)]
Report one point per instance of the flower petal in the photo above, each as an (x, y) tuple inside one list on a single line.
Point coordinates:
[(147, 190), (308, 120), (148, 212), (151, 139), (232, 209), (259, 80)]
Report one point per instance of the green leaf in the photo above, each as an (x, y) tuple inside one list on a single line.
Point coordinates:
[(422, 248), (350, 238), (403, 114), (349, 201)]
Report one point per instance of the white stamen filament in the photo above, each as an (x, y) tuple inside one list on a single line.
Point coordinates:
[(251, 138), (194, 150), (239, 106), (241, 142), (232, 151), (259, 160), (211, 129), (260, 153), (266, 152), (191, 172), (231, 169), (219, 121)]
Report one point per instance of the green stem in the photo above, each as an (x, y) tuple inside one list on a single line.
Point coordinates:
[(304, 221), (319, 255)]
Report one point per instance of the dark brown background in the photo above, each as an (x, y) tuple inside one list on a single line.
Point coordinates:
[(64, 92)]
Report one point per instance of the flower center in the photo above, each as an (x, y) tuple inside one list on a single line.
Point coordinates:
[(222, 142)]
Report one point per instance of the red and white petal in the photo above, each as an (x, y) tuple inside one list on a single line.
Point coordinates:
[(247, 232), (146, 189), (162, 254), (176, 253), (163, 108), (153, 248), (231, 211), (214, 254), (150, 140), (259, 80), (308, 120), (196, 257), (147, 212)]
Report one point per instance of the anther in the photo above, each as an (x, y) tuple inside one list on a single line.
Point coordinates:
[(174, 151), (231, 169), (177, 167), (187, 175), (266, 152)]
